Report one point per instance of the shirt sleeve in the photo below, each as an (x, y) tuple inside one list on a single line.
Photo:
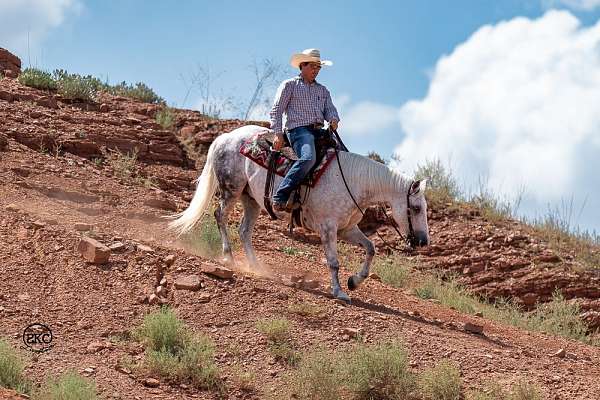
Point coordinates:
[(282, 99), (330, 110)]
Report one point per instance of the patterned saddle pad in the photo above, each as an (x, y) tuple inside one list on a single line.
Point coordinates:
[(257, 149)]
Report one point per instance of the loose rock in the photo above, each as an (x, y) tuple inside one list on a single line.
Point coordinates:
[(191, 282), (93, 251), (151, 382), (473, 328), (218, 271)]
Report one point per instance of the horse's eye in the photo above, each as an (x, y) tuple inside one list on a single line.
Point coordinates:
[(416, 209)]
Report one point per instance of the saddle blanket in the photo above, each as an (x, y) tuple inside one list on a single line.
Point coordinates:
[(257, 149)]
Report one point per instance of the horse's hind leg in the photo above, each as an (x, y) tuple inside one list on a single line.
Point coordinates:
[(251, 212), (355, 236), (226, 203)]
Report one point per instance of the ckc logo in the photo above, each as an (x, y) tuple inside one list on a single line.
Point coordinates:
[(38, 338)]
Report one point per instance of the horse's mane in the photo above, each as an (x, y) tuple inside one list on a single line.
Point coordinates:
[(362, 171)]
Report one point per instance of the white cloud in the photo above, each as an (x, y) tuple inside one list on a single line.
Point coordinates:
[(34, 18), (366, 117), (517, 102), (584, 5)]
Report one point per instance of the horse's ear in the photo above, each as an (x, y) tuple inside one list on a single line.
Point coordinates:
[(417, 186)]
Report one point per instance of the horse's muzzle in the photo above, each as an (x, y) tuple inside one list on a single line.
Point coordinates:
[(418, 239)]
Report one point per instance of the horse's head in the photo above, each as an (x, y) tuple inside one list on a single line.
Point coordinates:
[(410, 214)]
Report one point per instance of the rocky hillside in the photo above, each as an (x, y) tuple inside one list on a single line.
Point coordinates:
[(65, 206)]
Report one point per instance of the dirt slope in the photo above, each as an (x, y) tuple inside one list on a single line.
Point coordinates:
[(50, 184)]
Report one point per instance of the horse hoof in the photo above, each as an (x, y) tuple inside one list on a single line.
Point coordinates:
[(343, 297), (351, 284)]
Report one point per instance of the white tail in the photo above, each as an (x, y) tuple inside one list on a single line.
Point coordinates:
[(205, 190)]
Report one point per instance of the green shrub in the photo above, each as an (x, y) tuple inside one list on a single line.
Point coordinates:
[(306, 309), (524, 391), (162, 330), (165, 117), (557, 317), (376, 157), (77, 87), (392, 272), (206, 239), (441, 185), (290, 251), (560, 318), (441, 382), (277, 331), (380, 372), (68, 386), (317, 378), (519, 391), (139, 91), (38, 79), (11, 369), (174, 352), (122, 164), (192, 362)]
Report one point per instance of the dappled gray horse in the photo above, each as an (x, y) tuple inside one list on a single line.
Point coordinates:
[(328, 210)]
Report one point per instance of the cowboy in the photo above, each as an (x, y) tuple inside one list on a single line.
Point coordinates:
[(306, 104)]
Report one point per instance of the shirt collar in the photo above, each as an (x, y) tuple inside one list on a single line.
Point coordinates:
[(302, 80)]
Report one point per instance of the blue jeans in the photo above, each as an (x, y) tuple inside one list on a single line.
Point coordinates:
[(303, 143)]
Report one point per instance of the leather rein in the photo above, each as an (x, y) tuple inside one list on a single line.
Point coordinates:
[(410, 239)]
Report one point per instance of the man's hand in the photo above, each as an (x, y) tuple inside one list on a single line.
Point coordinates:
[(333, 124), (278, 143)]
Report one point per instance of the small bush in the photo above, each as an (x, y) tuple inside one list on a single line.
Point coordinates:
[(441, 185), (122, 164), (380, 372), (441, 382), (11, 369), (243, 378), (77, 87), (392, 272), (284, 352), (276, 330), (162, 330), (165, 117), (317, 378), (559, 318), (139, 91), (38, 79), (376, 157), (290, 251), (172, 351), (519, 391), (68, 386), (306, 309), (524, 391), (206, 239)]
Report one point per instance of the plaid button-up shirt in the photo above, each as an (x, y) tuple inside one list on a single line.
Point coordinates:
[(302, 103)]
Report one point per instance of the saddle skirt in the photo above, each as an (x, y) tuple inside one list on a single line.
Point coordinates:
[(258, 147)]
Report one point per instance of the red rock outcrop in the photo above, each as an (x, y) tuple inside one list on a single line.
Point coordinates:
[(10, 65)]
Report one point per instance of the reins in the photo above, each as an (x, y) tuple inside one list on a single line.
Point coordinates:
[(409, 239)]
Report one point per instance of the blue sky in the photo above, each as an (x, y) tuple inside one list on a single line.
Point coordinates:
[(399, 69)]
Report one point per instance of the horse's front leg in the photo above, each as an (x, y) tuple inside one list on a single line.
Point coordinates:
[(355, 236), (329, 239)]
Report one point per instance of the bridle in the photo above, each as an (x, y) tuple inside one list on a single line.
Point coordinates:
[(410, 239)]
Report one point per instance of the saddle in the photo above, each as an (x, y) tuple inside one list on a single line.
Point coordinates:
[(259, 149)]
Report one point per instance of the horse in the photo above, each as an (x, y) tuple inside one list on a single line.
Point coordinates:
[(328, 210)]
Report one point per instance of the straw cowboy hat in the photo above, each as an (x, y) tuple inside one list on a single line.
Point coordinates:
[(308, 55)]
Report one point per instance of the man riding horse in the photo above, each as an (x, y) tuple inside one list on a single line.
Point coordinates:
[(306, 105)]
